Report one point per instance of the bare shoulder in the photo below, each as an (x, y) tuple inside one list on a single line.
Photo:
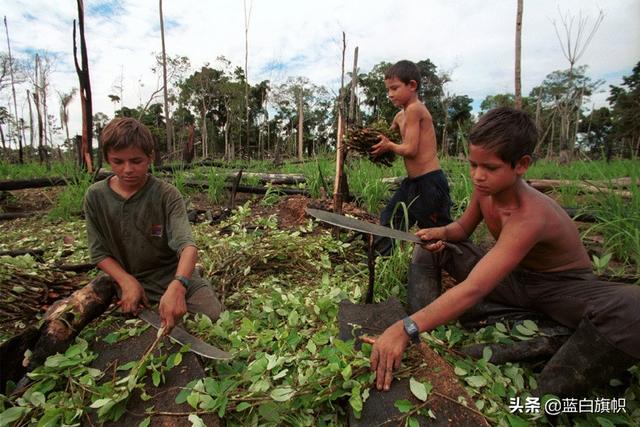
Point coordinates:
[(553, 239), (419, 110)]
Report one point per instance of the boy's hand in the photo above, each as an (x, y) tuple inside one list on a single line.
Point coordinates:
[(381, 147), (432, 238), (386, 353), (132, 298), (173, 305)]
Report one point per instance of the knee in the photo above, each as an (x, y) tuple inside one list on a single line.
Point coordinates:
[(422, 257)]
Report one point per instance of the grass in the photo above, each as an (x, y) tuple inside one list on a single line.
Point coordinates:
[(618, 218)]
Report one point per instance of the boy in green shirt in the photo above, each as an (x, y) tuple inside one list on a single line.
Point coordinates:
[(139, 234)]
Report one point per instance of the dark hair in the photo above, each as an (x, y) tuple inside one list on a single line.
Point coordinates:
[(509, 132), (405, 71), (125, 132)]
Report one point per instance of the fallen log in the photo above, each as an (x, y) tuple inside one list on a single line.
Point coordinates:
[(77, 268), (66, 318), (248, 189), (548, 185), (7, 216), (55, 181), (36, 253)]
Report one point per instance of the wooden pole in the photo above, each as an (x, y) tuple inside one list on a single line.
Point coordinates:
[(337, 188)]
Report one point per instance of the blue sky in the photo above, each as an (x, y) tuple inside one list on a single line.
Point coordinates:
[(472, 40)]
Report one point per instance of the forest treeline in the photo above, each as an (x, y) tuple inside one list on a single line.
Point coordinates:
[(212, 116)]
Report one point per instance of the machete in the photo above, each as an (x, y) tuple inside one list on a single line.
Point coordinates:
[(185, 338), (367, 227)]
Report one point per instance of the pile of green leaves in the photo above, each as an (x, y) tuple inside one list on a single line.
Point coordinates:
[(282, 289)]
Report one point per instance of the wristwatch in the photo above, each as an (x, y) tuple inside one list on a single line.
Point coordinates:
[(411, 329), (184, 280)]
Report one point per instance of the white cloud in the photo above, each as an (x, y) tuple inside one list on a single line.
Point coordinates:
[(472, 39)]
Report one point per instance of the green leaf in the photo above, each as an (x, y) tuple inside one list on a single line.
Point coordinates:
[(145, 422), (196, 421), (346, 372), (530, 324), (281, 374), (413, 422), (100, 402), (419, 390), (282, 394), (487, 353), (356, 400), (193, 399), (174, 360), (182, 396), (37, 399), (270, 411), (515, 421), (155, 378), (524, 330), (603, 422), (12, 414), (403, 405), (111, 338), (476, 381), (500, 327), (459, 371), (51, 418), (311, 346), (242, 406)]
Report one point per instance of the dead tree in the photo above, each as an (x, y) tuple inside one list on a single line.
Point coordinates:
[(573, 46), (168, 123), (518, 82), (13, 90), (85, 89)]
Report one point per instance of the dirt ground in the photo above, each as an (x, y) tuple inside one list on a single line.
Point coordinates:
[(29, 200)]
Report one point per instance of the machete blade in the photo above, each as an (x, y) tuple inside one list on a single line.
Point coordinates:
[(367, 227), (183, 337)]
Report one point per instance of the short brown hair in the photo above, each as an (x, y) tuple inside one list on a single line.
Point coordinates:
[(405, 71), (125, 132), (510, 133)]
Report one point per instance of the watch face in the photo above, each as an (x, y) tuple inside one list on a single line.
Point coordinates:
[(411, 328)]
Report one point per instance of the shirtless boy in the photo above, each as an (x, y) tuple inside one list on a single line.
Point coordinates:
[(425, 190), (538, 262)]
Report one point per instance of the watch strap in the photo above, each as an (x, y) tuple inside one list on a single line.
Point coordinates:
[(184, 280)]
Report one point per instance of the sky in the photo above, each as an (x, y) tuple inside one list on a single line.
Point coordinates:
[(471, 40)]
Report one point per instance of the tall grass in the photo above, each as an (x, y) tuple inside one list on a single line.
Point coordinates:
[(10, 171), (215, 191), (68, 205), (618, 221), (365, 182)]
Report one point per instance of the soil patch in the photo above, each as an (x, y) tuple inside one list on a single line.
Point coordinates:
[(29, 199)]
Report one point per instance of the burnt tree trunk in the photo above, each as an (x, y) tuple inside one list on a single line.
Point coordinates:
[(85, 89)]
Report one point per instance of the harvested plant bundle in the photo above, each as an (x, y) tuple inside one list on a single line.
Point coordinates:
[(361, 139)]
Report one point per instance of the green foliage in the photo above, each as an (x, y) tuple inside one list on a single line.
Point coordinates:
[(216, 190), (271, 197), (69, 202)]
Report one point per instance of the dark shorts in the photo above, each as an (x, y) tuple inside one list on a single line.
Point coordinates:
[(428, 204), (427, 198), (566, 296)]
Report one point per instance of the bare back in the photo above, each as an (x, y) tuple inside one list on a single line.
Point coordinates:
[(557, 245), (425, 160)]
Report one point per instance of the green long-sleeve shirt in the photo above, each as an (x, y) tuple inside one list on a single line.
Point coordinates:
[(145, 233)]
